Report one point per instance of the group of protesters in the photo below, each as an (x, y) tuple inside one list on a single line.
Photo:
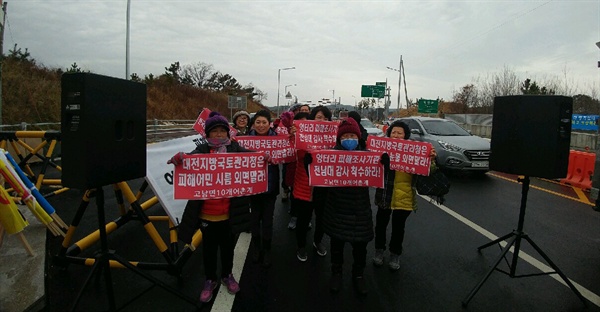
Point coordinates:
[(343, 213)]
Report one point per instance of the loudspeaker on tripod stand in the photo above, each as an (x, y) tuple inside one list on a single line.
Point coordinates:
[(103, 130), (531, 135)]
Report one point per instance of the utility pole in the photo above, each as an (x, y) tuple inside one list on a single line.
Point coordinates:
[(399, 80), (2, 53), (127, 42)]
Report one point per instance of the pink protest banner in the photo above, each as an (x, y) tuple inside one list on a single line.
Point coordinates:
[(279, 147), (200, 123), (313, 134), (345, 168), (407, 156), (225, 175)]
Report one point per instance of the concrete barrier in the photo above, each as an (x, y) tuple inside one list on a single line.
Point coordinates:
[(579, 141)]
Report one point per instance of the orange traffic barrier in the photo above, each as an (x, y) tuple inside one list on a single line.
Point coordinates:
[(580, 170)]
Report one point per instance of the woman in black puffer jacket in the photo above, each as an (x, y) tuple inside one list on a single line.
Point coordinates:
[(348, 218)]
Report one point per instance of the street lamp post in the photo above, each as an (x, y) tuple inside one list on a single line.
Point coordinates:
[(127, 42), (279, 84), (286, 92), (285, 89)]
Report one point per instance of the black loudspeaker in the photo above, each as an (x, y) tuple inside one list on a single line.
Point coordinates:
[(103, 130), (531, 135)]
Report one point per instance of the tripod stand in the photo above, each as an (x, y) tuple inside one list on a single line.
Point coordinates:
[(103, 259), (516, 237)]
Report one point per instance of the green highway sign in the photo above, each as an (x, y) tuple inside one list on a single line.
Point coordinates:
[(382, 83), (428, 106), (372, 91)]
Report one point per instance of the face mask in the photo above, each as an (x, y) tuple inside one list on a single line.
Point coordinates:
[(349, 144)]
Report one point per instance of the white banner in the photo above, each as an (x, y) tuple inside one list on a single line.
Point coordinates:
[(159, 174)]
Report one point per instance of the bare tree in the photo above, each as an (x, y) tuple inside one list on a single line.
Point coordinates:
[(466, 98), (503, 83), (197, 74)]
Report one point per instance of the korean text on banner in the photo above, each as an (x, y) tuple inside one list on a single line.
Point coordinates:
[(345, 168), (407, 156), (279, 147), (313, 134), (212, 176)]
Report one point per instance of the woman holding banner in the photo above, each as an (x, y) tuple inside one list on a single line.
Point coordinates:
[(347, 217), (396, 201), (307, 199), (218, 219), (263, 205)]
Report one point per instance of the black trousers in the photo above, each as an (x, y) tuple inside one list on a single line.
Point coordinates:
[(215, 236), (263, 206), (382, 219), (304, 211), (359, 255)]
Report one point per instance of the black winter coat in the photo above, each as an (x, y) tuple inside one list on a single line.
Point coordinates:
[(347, 215), (239, 207)]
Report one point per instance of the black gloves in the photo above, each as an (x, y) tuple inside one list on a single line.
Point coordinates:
[(385, 160)]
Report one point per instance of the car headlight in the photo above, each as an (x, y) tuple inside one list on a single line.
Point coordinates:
[(450, 147)]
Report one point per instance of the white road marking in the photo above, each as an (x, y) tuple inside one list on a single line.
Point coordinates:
[(223, 299), (586, 293)]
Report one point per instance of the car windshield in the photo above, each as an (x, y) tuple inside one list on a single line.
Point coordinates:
[(367, 123), (445, 128)]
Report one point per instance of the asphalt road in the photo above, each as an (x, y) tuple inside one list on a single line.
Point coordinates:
[(439, 268)]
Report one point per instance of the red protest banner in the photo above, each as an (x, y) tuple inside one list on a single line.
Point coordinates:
[(225, 175), (345, 168), (407, 156), (313, 134), (200, 123), (279, 147), (281, 130)]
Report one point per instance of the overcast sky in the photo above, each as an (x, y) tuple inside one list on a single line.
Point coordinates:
[(334, 45)]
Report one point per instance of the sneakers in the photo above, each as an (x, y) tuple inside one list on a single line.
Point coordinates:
[(292, 224), (232, 285), (394, 262), (378, 258), (207, 292), (301, 254), (320, 248)]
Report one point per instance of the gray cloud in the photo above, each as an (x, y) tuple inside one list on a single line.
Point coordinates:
[(334, 45)]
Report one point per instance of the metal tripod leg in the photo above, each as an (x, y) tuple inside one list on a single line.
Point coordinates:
[(465, 302)]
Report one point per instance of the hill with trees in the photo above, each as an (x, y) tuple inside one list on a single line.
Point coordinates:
[(31, 92)]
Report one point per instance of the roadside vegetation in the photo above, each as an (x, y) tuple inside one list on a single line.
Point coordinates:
[(31, 91)]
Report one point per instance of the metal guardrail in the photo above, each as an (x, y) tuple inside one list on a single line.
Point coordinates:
[(156, 130)]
